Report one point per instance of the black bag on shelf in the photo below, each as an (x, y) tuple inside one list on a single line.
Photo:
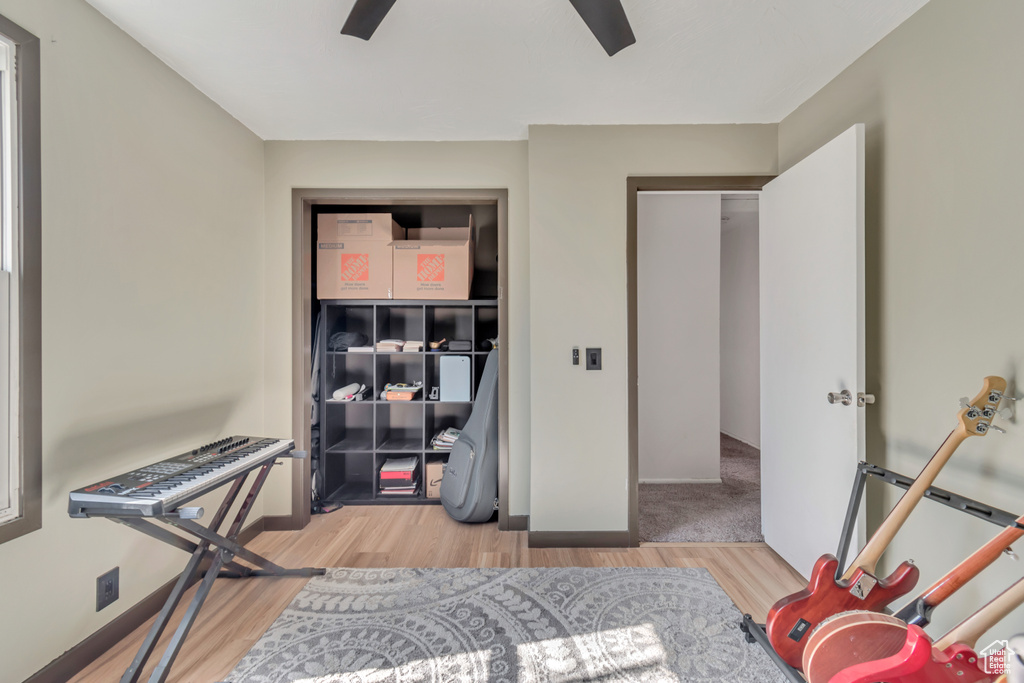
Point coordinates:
[(341, 341)]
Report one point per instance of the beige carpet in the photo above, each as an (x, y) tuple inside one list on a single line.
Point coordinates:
[(708, 513)]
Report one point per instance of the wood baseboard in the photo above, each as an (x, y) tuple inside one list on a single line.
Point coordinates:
[(518, 522), (280, 523), (69, 664), (578, 539)]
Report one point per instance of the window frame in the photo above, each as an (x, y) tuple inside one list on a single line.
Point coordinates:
[(28, 223)]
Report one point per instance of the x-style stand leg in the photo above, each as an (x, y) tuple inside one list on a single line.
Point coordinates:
[(219, 551)]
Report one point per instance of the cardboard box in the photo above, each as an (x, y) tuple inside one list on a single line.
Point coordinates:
[(432, 482), (353, 255), (434, 263)]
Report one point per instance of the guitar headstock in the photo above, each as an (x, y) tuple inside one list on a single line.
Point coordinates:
[(976, 416)]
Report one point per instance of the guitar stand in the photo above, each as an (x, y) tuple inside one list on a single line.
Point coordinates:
[(214, 551), (755, 633)]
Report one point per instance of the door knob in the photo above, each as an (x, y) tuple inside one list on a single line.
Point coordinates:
[(844, 397)]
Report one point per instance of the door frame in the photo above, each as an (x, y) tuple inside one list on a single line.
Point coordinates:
[(634, 185), (303, 201)]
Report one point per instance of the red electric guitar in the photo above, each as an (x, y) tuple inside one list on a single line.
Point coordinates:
[(951, 658), (793, 617), (854, 637)]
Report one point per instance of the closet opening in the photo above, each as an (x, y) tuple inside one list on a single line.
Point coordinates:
[(350, 442)]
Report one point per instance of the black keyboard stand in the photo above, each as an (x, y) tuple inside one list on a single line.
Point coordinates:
[(218, 551), (755, 633)]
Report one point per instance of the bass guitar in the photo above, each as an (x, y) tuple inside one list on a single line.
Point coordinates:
[(854, 637), (951, 658), (793, 617)]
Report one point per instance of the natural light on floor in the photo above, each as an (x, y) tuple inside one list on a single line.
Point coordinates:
[(634, 649)]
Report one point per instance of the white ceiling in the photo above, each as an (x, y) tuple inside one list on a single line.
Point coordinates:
[(486, 69)]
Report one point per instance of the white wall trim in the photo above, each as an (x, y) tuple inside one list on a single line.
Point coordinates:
[(680, 481)]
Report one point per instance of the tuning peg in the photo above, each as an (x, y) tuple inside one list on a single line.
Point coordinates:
[(965, 402), (1009, 551), (998, 429)]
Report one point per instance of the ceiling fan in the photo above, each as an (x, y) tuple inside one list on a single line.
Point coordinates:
[(606, 19)]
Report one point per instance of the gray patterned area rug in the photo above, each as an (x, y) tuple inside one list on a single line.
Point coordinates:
[(516, 625)]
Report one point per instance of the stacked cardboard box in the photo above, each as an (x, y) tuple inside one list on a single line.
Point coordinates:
[(370, 256), (435, 472), (434, 263), (353, 252)]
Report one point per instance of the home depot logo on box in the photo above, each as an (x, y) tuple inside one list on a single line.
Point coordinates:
[(430, 267), (355, 268)]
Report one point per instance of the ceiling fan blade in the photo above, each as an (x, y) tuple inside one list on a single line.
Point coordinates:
[(365, 17), (607, 20)]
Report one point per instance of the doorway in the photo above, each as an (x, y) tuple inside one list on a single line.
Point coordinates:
[(635, 185), (698, 367), (812, 340)]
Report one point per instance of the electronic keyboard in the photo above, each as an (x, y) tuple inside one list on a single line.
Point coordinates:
[(157, 489)]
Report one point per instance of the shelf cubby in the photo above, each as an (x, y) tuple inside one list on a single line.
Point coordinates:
[(354, 319), (398, 368), (449, 322), (399, 322), (349, 477), (486, 327), (399, 427), (442, 416), (357, 437), (347, 426), (342, 369)]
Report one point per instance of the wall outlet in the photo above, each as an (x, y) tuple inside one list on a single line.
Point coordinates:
[(107, 588), (593, 359)]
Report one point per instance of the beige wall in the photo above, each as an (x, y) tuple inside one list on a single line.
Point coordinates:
[(152, 203), (578, 472), (942, 101), (396, 165)]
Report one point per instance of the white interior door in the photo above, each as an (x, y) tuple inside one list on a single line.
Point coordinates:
[(812, 343)]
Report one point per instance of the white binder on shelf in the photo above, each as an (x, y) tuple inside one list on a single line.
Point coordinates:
[(456, 378)]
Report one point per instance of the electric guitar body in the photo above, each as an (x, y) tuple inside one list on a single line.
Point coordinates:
[(792, 618), (917, 662), (863, 647)]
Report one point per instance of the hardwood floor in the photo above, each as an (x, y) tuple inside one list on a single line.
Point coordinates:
[(238, 612)]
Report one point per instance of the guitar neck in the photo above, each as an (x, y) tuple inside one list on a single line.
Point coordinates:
[(972, 566), (968, 631), (868, 557)]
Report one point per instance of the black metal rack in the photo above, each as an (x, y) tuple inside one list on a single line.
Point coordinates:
[(755, 632)]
